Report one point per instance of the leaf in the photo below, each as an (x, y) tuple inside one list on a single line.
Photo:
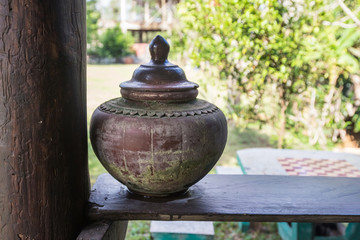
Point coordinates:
[(355, 51), (348, 39), (347, 60)]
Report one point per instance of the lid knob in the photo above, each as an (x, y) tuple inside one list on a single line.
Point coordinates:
[(159, 80), (159, 49)]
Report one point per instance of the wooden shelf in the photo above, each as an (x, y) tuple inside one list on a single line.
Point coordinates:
[(250, 198)]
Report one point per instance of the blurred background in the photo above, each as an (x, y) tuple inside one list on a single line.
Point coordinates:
[(285, 72)]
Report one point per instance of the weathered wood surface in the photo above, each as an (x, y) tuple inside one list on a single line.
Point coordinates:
[(43, 145), (236, 198), (104, 230)]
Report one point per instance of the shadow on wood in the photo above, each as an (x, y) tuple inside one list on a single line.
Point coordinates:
[(235, 198), (105, 230)]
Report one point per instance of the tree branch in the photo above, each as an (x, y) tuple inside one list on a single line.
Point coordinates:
[(340, 24), (347, 17), (349, 12)]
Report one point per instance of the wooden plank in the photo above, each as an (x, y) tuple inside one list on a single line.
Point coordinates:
[(104, 230), (44, 185), (236, 198)]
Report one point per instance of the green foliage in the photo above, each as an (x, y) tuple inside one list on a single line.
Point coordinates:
[(259, 231), (138, 230), (356, 120), (92, 18), (108, 43), (114, 43), (274, 56)]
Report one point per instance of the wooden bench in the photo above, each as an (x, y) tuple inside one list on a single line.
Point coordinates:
[(243, 226), (306, 163), (250, 198)]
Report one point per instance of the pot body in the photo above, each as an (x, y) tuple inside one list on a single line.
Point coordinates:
[(158, 149)]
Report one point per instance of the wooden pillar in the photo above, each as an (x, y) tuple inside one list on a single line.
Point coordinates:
[(146, 12), (123, 16), (163, 14), (141, 36), (43, 144), (104, 230), (170, 13)]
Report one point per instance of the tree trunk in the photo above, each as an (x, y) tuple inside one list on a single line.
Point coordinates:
[(282, 122), (43, 144)]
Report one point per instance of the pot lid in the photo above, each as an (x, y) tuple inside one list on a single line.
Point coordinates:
[(159, 80)]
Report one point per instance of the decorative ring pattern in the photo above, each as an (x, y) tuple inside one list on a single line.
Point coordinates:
[(109, 107)]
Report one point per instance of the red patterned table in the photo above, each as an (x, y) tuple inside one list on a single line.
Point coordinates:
[(318, 167), (267, 161)]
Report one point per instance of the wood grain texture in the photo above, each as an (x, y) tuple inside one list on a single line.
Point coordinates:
[(104, 230), (43, 145), (236, 198)]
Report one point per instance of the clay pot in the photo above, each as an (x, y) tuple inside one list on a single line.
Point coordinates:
[(158, 139)]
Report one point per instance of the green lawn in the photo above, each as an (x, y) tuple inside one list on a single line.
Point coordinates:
[(103, 84)]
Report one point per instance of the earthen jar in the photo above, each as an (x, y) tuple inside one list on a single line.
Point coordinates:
[(158, 139)]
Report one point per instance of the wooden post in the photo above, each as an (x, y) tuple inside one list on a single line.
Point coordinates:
[(123, 17), (169, 11), (44, 182), (164, 24), (146, 13), (104, 230)]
